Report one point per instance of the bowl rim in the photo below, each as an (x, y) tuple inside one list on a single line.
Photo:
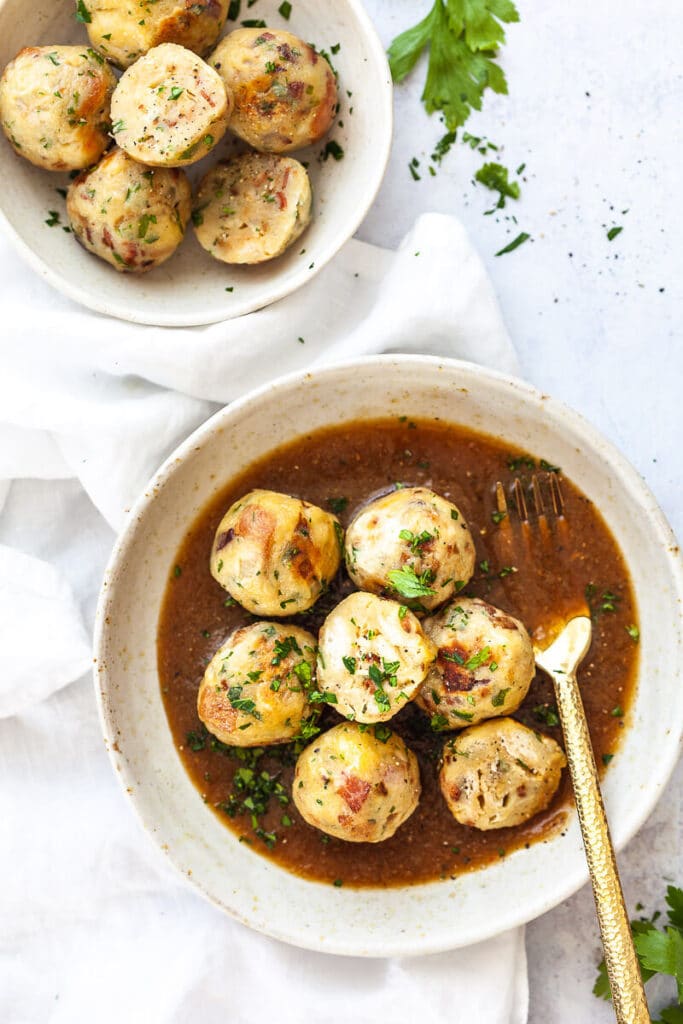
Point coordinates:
[(622, 831), (88, 298)]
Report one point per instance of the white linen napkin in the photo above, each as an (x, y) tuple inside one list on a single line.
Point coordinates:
[(94, 924)]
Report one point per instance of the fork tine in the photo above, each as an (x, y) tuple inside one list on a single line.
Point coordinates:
[(537, 495), (520, 501), (556, 496), (501, 500)]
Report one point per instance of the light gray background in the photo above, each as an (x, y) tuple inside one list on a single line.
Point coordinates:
[(595, 112)]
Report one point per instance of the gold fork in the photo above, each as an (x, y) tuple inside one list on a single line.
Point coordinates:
[(535, 507)]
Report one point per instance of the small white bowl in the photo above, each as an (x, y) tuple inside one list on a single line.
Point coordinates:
[(423, 918), (191, 287)]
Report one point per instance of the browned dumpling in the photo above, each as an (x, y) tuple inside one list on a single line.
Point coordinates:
[(484, 667), (275, 554), (373, 657), (252, 207), (170, 108), (123, 31), (355, 784), (285, 93), (499, 774), (256, 687), (54, 106), (411, 544), (130, 215)]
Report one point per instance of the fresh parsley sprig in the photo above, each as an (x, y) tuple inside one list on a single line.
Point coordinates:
[(463, 37), (660, 951)]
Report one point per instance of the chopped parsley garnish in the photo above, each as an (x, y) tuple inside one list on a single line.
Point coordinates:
[(466, 716), (416, 540), (599, 604), (234, 10), (516, 462), (332, 149), (285, 647), (177, 571), (499, 698), (253, 23), (285, 9), (495, 177), (443, 146), (143, 225), (617, 712), (175, 93), (382, 733), (407, 583), (521, 238), (478, 659), (633, 632), (606, 758), (303, 673), (498, 517), (82, 13), (53, 219), (463, 39), (118, 126), (547, 713), (327, 697), (382, 700), (349, 664), (438, 722), (196, 740), (613, 232), (337, 505), (239, 703)]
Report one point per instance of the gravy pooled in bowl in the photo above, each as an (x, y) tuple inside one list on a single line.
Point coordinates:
[(341, 469)]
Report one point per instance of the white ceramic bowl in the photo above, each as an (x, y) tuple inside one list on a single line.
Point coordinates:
[(191, 287), (423, 918)]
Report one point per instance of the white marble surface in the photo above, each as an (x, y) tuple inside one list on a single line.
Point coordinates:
[(594, 111)]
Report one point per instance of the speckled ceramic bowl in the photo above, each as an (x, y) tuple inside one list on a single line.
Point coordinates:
[(191, 288), (424, 918)]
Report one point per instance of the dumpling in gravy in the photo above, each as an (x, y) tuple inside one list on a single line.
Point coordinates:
[(275, 554), (499, 774), (357, 785)]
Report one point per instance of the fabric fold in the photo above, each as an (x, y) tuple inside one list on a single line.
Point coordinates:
[(95, 921)]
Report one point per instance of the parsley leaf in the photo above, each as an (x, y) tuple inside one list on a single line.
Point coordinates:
[(495, 177), (408, 584), (82, 13), (463, 37), (660, 951), (674, 898), (521, 238)]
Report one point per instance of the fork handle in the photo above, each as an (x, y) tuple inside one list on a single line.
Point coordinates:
[(628, 994)]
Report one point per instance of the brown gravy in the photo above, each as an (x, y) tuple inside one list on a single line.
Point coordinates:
[(354, 462)]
